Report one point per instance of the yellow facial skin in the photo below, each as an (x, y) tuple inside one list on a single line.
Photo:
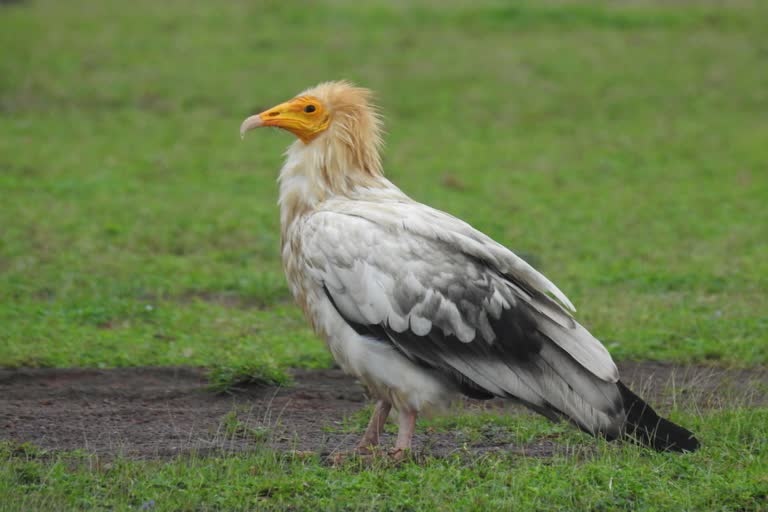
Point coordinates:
[(304, 116)]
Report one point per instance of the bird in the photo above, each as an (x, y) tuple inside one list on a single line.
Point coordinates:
[(418, 305)]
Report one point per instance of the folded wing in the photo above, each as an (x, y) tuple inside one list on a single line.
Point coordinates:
[(450, 298)]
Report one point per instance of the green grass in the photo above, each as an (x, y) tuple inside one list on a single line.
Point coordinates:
[(620, 146), (730, 473)]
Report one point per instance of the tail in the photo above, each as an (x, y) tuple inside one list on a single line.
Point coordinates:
[(650, 429)]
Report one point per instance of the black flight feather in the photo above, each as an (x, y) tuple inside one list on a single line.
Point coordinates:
[(648, 428)]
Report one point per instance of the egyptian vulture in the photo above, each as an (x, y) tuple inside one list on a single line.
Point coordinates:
[(420, 306)]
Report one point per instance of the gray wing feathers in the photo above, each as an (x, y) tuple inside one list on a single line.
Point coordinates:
[(449, 297)]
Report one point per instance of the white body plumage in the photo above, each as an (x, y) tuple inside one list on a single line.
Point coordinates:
[(385, 371), (355, 253)]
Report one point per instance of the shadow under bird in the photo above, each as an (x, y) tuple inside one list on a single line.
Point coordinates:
[(420, 306)]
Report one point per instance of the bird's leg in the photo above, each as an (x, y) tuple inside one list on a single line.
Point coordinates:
[(371, 436), (375, 426), (406, 427)]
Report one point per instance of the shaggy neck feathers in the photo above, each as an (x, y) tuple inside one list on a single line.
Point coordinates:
[(341, 161)]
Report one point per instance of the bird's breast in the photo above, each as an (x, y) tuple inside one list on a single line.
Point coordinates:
[(304, 289)]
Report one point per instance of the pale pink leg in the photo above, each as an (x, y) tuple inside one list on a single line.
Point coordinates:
[(371, 436), (406, 427), (375, 426)]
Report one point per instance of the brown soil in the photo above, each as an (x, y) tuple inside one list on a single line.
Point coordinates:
[(160, 412)]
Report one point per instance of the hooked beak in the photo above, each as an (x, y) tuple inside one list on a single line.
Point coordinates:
[(251, 123), (285, 115), (292, 116)]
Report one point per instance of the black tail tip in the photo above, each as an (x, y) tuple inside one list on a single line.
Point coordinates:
[(650, 429), (669, 437)]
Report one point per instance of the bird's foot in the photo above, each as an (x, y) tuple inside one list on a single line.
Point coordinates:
[(371, 454), (361, 453), (302, 454), (400, 454)]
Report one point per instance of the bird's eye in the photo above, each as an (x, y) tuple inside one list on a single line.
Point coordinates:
[(309, 109)]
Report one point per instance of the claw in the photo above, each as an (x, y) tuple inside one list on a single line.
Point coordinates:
[(365, 454), (400, 454)]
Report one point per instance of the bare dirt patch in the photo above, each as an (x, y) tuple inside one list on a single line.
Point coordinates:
[(161, 412)]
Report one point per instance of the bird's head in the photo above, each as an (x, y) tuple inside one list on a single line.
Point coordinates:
[(337, 114)]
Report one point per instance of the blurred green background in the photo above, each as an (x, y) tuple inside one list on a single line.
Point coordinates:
[(620, 146)]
